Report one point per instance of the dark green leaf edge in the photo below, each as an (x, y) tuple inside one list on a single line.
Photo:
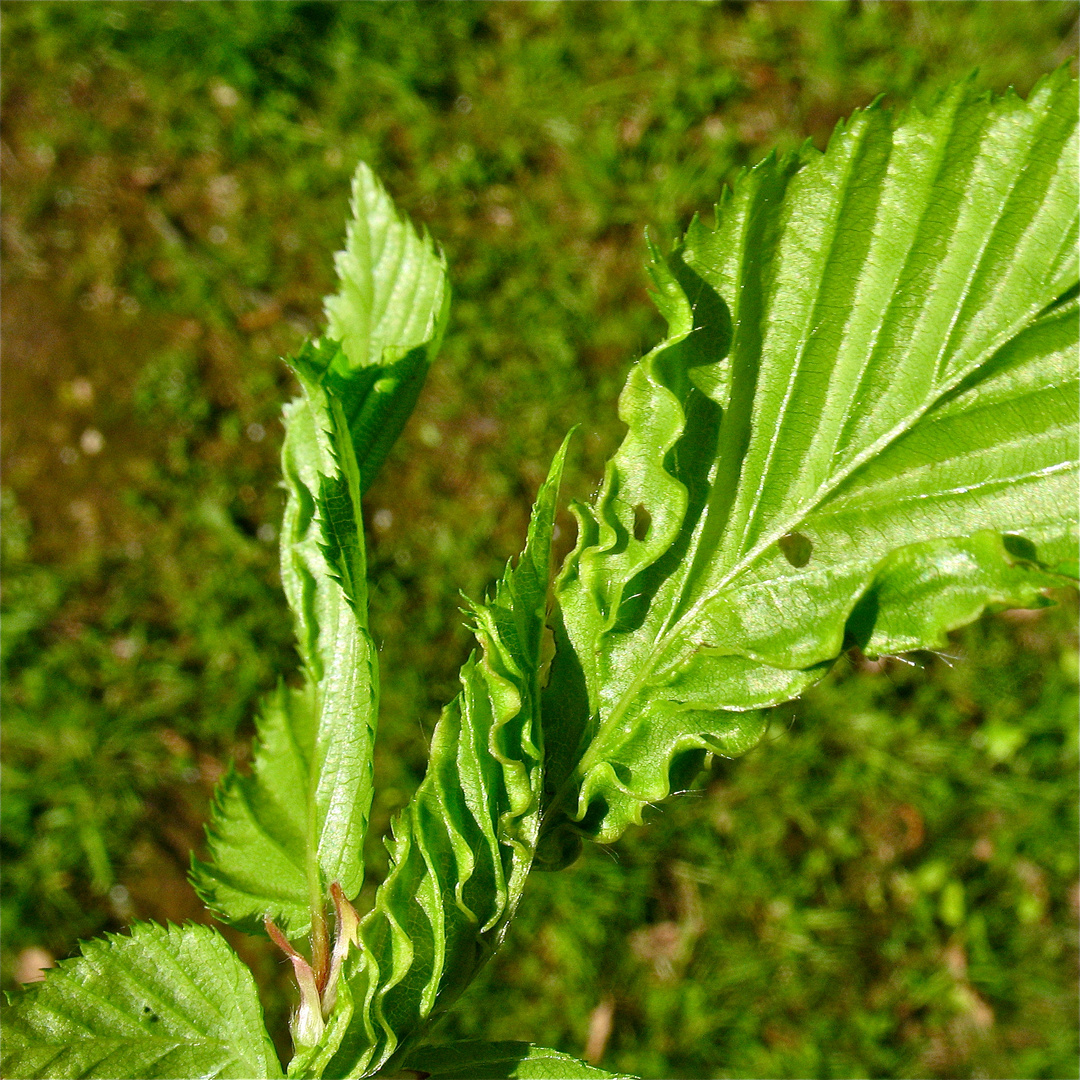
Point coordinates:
[(502, 1061)]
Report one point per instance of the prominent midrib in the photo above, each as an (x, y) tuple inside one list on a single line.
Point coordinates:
[(364, 283), (669, 636), (829, 485), (947, 348), (391, 254), (985, 485), (964, 489)]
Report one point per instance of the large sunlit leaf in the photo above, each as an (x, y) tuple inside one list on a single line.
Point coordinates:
[(462, 848), (164, 1002), (280, 836), (861, 430), (502, 1061)]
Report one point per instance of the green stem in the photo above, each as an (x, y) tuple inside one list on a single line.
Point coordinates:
[(320, 946)]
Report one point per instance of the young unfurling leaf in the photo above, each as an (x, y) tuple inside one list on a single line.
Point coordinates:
[(279, 837), (463, 847), (861, 430)]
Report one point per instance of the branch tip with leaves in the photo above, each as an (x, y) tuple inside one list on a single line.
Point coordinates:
[(860, 431)]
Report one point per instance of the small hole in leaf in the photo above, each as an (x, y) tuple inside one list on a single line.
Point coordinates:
[(642, 521), (796, 548), (1020, 547)]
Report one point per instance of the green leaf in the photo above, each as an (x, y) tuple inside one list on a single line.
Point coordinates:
[(280, 836), (502, 1061), (260, 825), (462, 848), (389, 315), (860, 430), (164, 1002)]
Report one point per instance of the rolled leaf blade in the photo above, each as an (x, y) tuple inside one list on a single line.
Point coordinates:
[(461, 850), (281, 835)]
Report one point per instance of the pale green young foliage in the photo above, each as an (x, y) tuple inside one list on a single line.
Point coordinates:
[(462, 849), (164, 1002), (860, 431), (389, 314), (392, 286), (279, 837)]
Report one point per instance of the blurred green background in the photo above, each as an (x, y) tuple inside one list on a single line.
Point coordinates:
[(886, 887)]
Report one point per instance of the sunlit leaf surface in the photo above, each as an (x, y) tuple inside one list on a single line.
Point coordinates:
[(164, 1002), (281, 835), (860, 431), (463, 847)]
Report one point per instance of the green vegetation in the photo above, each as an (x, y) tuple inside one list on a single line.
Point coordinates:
[(169, 240)]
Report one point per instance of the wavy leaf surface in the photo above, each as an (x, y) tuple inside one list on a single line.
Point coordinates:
[(861, 429), (461, 850), (281, 835), (165, 1002)]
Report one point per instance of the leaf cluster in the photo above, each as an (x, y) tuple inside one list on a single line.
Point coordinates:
[(860, 431)]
